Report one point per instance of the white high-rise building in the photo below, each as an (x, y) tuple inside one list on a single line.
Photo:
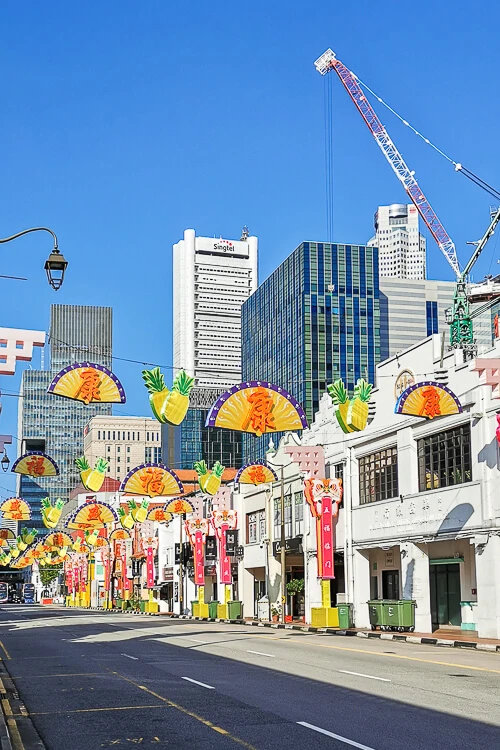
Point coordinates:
[(212, 279), (401, 247)]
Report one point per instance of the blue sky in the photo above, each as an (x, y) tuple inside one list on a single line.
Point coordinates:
[(124, 123)]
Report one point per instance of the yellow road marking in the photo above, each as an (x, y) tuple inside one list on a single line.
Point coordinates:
[(187, 712), (17, 742), (76, 674), (4, 650), (91, 710)]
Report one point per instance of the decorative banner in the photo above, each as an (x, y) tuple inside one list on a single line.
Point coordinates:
[(119, 534), (168, 406), (257, 407), (126, 519), (51, 513), (222, 520), (150, 568), (428, 399), (89, 383), (178, 506), (209, 481), (496, 327), (92, 516), (35, 464), (57, 540), (138, 512), (153, 480), (497, 432), (92, 479), (323, 497), (256, 473), (28, 535), (159, 515), (352, 414), (15, 509), (197, 530), (6, 534)]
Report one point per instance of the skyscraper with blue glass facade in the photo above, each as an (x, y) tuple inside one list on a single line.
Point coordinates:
[(316, 318)]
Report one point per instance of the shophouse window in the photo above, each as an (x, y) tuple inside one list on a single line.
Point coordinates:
[(256, 526), (378, 476), (444, 459), (288, 517), (98, 434), (262, 525), (298, 500)]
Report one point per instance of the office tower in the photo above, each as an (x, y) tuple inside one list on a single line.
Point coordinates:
[(212, 279), (125, 442), (401, 247), (53, 424), (316, 318)]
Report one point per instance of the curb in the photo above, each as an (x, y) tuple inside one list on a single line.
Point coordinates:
[(5, 741)]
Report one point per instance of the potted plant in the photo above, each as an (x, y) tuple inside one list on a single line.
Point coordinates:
[(275, 611), (294, 587)]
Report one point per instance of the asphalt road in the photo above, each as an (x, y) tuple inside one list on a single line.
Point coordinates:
[(89, 680)]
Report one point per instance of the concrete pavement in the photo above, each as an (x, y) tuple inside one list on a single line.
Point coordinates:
[(91, 680)]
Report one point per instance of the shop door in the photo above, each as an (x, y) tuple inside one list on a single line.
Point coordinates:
[(445, 595), (390, 584)]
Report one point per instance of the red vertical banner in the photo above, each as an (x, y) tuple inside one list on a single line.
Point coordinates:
[(199, 559), (222, 520), (324, 497), (83, 574), (326, 539), (125, 579), (150, 568), (106, 562)]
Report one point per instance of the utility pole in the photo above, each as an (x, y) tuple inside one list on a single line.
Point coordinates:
[(283, 547)]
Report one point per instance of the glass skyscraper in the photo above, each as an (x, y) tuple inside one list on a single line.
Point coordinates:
[(54, 424), (316, 318)]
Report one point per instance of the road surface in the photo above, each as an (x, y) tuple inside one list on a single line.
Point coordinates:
[(91, 680)]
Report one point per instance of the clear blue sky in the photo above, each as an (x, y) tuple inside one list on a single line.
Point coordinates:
[(125, 122)]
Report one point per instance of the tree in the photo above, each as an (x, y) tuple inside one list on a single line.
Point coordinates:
[(49, 573), (294, 587)]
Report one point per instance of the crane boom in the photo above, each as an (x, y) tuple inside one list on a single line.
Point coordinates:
[(328, 62)]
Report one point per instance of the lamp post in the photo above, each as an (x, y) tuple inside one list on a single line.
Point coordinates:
[(56, 263)]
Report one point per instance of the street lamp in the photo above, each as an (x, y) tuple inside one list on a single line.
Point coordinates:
[(56, 263), (5, 461)]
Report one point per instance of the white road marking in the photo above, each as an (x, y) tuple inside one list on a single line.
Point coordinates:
[(135, 658), (335, 736), (260, 653), (368, 676), (208, 687), (197, 640)]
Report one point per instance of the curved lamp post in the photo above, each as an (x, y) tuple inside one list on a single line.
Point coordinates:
[(56, 263)]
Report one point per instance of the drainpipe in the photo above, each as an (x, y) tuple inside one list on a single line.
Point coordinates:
[(348, 551)]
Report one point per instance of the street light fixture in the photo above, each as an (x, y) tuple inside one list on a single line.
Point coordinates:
[(5, 461), (56, 263)]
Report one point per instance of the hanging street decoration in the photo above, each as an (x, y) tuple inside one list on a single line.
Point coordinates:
[(119, 534), (323, 497), (125, 517), (138, 512), (92, 516), (89, 383), (222, 521), (51, 513), (256, 473), (159, 515), (56, 540), (35, 464), (28, 535), (168, 406), (352, 414), (257, 407), (209, 481), (497, 431), (428, 399), (15, 509), (153, 480), (179, 505), (6, 534), (197, 531), (92, 479)]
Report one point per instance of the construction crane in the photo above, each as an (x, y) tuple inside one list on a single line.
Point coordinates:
[(461, 330)]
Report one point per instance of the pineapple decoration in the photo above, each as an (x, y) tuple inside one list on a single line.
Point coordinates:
[(91, 537), (51, 513), (168, 406), (28, 535), (352, 414), (209, 480), (92, 479), (126, 519), (138, 512)]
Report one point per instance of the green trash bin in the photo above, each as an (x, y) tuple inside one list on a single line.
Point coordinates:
[(377, 613), (142, 605), (400, 614), (212, 610), (345, 616), (234, 610)]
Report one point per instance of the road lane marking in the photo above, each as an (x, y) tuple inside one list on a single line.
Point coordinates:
[(261, 653), (196, 640), (135, 658), (187, 712), (77, 674), (335, 736), (4, 650), (189, 679), (360, 674), (91, 710)]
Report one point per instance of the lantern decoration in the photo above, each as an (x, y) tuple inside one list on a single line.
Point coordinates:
[(428, 399), (153, 480), (256, 473), (91, 516), (35, 464), (138, 512), (92, 479), (159, 515), (222, 521), (119, 534), (197, 531), (15, 509), (257, 407), (89, 383), (168, 406), (352, 414), (51, 513), (209, 481), (323, 497), (179, 505)]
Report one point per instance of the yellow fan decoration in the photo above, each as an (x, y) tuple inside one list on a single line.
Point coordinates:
[(89, 383), (119, 534), (6, 534), (428, 399), (101, 542), (153, 480), (92, 516), (256, 473), (179, 505), (159, 515), (15, 509), (56, 540), (257, 407), (36, 464)]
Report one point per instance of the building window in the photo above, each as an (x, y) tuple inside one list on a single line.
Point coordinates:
[(147, 436), (444, 459), (251, 528), (431, 313), (114, 438), (299, 513), (262, 525), (133, 436), (378, 476), (109, 435), (117, 448), (288, 517), (98, 434), (128, 448), (128, 435)]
